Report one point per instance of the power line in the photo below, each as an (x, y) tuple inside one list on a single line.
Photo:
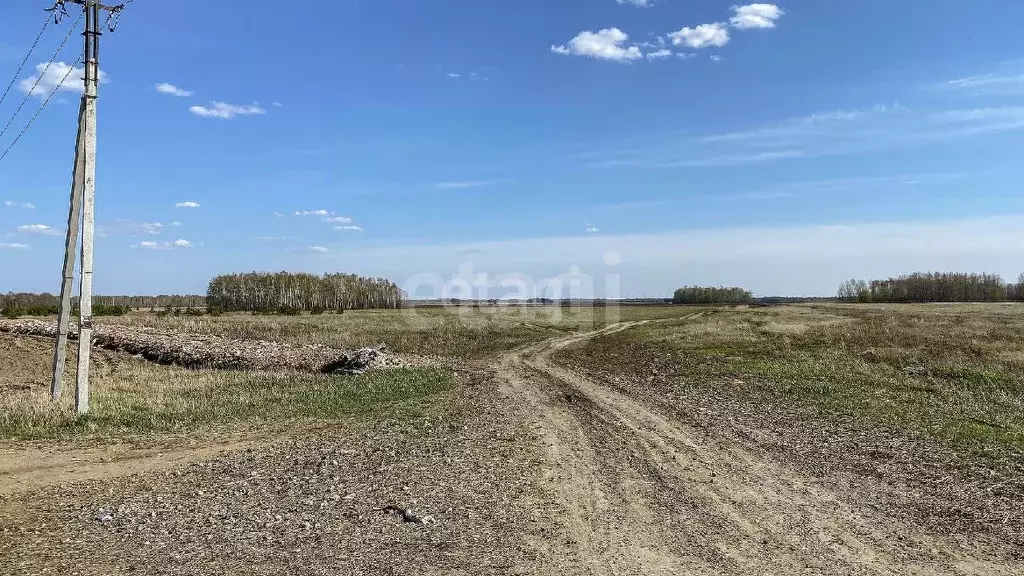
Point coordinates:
[(21, 67), (42, 73), (40, 109)]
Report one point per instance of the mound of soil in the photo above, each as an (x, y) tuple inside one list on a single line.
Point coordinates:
[(204, 351)]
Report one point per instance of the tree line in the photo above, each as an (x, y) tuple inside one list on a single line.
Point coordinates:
[(934, 287), (712, 295), (15, 305), (284, 291)]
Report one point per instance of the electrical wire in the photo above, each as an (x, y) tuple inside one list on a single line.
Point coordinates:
[(42, 73), (21, 67), (39, 110)]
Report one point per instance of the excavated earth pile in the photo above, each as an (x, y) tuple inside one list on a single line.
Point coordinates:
[(214, 352)]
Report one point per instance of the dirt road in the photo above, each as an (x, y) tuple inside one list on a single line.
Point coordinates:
[(646, 494)]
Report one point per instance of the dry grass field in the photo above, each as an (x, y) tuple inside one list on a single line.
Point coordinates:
[(834, 439), (924, 404)]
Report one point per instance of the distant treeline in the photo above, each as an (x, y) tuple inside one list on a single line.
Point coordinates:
[(283, 291), (934, 287), (712, 295), (14, 305), (26, 301)]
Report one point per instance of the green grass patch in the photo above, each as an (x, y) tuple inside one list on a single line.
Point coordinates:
[(158, 400)]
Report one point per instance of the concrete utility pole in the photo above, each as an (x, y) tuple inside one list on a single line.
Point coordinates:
[(82, 209)]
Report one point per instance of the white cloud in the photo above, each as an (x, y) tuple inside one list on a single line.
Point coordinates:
[(591, 229), (463, 184), (25, 205), (39, 229), (150, 245), (637, 3), (715, 34), (172, 90), (51, 76), (655, 42), (660, 54), (13, 246), (318, 249), (226, 111), (338, 220), (715, 58), (312, 213), (454, 75), (606, 44), (351, 227), (187, 204), (133, 228), (686, 55), (277, 104), (755, 16)]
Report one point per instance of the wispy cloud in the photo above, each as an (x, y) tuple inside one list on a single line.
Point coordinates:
[(172, 90), (151, 245), (829, 133), (591, 229), (320, 212), (320, 249), (25, 205), (986, 84), (226, 111), (709, 161), (133, 228), (659, 54), (187, 204), (40, 229), (13, 246), (350, 227), (463, 184), (338, 220), (637, 3), (849, 185), (272, 238)]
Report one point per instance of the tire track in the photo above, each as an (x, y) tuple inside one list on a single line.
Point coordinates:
[(644, 494)]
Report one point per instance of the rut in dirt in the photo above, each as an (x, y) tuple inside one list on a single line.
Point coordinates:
[(645, 494)]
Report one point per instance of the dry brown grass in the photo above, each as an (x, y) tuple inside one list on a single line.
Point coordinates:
[(926, 401)]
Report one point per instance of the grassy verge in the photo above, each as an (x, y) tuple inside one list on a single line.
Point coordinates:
[(148, 400)]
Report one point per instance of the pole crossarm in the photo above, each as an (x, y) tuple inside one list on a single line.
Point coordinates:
[(116, 8)]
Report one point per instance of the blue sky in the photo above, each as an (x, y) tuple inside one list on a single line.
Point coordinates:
[(782, 147)]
